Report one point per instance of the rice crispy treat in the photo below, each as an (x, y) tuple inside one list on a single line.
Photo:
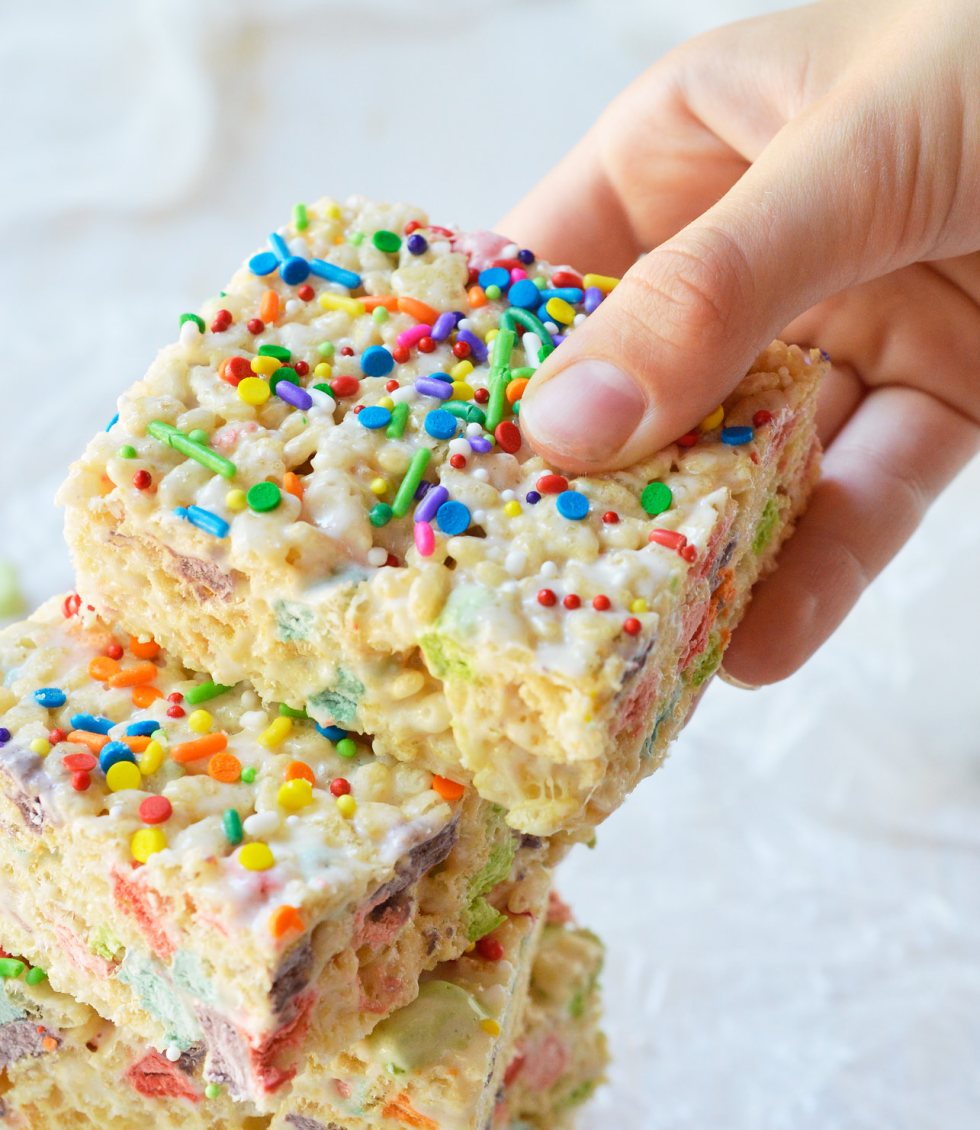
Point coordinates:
[(322, 487), (473, 1051), (210, 873)]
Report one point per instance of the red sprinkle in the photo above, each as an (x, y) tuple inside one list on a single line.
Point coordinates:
[(566, 278), (391, 385), (546, 597), (400, 354), (601, 603), (481, 396), (489, 949), (689, 439), (340, 786), (79, 762), (114, 650), (508, 436), (306, 292), (255, 325), (688, 552), (462, 350), (761, 418), (392, 561), (552, 484), (669, 538), (155, 810), (610, 517), (457, 461), (426, 345), (301, 367), (347, 351), (56, 736), (71, 605), (80, 782), (412, 225), (632, 626), (345, 386), (142, 480), (175, 711), (358, 409), (222, 320), (175, 696), (235, 369), (572, 600)]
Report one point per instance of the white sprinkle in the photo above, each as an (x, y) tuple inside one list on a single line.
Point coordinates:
[(404, 395), (464, 324), (474, 429), (173, 1053), (459, 446), (506, 495), (262, 823), (515, 562), (549, 569), (189, 333), (579, 319), (551, 327), (377, 555), (480, 473), (509, 251), (531, 344), (479, 517), (293, 306)]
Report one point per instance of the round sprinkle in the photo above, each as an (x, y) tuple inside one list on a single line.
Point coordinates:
[(225, 767), (610, 517), (376, 361), (387, 241), (547, 597), (656, 498), (346, 806), (294, 270), (417, 244), (713, 420), (761, 418), (512, 508), (295, 794), (508, 436), (123, 775), (236, 499), (231, 822), (532, 498), (601, 603), (453, 518), (263, 497), (380, 514), (256, 857), (79, 762), (143, 480), (254, 391), (113, 753), (200, 721), (340, 786), (379, 486), (525, 294), (632, 626), (491, 1027), (490, 949), (735, 437), (155, 810), (50, 697), (40, 746), (264, 263), (212, 1090), (127, 451), (572, 505), (147, 842), (440, 424), (347, 748), (572, 601), (249, 773), (374, 417)]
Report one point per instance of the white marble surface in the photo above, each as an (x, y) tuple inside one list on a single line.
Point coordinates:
[(792, 906)]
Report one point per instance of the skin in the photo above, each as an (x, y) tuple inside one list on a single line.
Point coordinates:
[(811, 175)]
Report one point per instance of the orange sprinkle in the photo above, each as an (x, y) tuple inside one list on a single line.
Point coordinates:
[(107, 486), (197, 748), (300, 769), (448, 790), (373, 301), (283, 919), (223, 372), (269, 306), (293, 484), (49, 1043), (102, 668), (137, 742), (144, 650), (420, 311), (94, 742), (134, 676), (225, 767), (144, 695), (401, 1110), (515, 390), (477, 296)]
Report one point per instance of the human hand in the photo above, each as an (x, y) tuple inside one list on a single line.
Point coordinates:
[(812, 175)]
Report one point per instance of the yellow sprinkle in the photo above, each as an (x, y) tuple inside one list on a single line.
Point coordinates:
[(296, 794), (323, 370), (265, 365), (379, 486), (339, 302), (332, 210), (346, 806), (560, 311), (462, 391), (254, 391), (200, 722), (461, 371), (491, 1027), (605, 283), (123, 775), (277, 733), (386, 402), (235, 499), (151, 759), (40, 746), (639, 605), (256, 857), (512, 508), (147, 842), (491, 334), (709, 423)]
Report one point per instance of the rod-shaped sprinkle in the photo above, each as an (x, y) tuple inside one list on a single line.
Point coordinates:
[(335, 274), (503, 344), (513, 316), (167, 433), (399, 417), (409, 485)]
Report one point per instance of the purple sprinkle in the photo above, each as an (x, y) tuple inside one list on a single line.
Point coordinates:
[(423, 489), (444, 325), (526, 256), (426, 509), (478, 349), (429, 387), (480, 444), (4, 735), (294, 395), (557, 339), (417, 244), (593, 296), (532, 497)]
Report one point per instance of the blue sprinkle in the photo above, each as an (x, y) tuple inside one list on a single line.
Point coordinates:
[(335, 274), (142, 729), (376, 361), (50, 697), (374, 417), (440, 424), (204, 520), (417, 244), (524, 294), (278, 245), (533, 497), (453, 518), (572, 505), (332, 733), (113, 753), (571, 294), (5, 735), (494, 276), (112, 423), (735, 437), (441, 377), (263, 264), (294, 270), (92, 724)]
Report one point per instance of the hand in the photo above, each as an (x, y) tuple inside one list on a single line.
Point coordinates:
[(813, 175)]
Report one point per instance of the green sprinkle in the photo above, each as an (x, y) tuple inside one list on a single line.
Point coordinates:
[(291, 711), (300, 222), (656, 498), (11, 968), (413, 476), (515, 315), (399, 418), (380, 315), (249, 773), (199, 435), (326, 349), (204, 692), (525, 372), (540, 282), (476, 415), (127, 451), (493, 291), (285, 373), (232, 823), (213, 1090), (347, 747), (195, 318), (35, 976), (457, 408), (503, 345), (263, 497), (167, 433), (324, 387), (356, 238), (387, 241), (380, 515), (280, 352)]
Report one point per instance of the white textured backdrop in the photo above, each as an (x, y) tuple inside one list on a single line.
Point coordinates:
[(792, 906)]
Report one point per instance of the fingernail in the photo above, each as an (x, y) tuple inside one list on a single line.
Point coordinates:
[(732, 681), (589, 410)]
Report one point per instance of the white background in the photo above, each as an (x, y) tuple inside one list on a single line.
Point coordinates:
[(792, 906)]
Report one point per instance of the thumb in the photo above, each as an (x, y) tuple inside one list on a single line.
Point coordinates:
[(687, 320)]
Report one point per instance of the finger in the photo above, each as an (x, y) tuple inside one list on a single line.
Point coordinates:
[(879, 476)]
